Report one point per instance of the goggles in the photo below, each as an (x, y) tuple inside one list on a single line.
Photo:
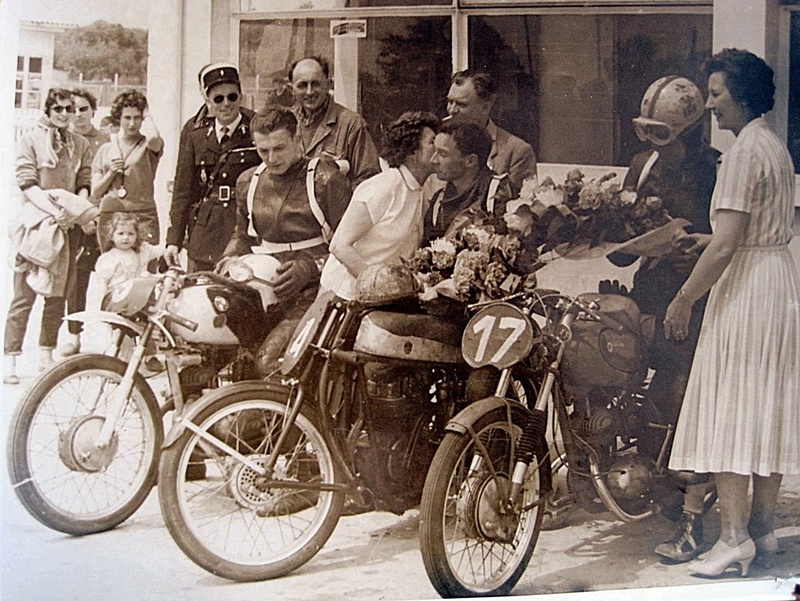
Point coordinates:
[(220, 98), (657, 132)]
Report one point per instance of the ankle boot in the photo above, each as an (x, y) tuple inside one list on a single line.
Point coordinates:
[(685, 545), (45, 358), (10, 370)]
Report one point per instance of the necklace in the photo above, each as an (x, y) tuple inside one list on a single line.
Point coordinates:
[(122, 192)]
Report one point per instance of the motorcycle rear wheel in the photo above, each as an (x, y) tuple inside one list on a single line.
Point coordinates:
[(228, 521), (58, 474), (469, 551)]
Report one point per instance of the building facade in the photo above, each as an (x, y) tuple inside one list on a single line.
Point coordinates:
[(571, 73)]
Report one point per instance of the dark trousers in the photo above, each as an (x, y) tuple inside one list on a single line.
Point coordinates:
[(20, 311), (87, 253)]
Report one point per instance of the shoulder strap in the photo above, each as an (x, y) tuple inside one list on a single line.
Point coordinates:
[(492, 192), (648, 166), (251, 193), (327, 231), (436, 211)]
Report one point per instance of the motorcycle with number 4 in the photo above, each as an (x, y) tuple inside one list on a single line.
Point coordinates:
[(84, 441), (494, 475), (368, 388)]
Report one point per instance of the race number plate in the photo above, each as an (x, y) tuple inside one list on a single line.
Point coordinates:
[(499, 335), (304, 332)]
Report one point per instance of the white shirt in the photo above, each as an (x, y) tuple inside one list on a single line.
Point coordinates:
[(394, 202), (231, 127)]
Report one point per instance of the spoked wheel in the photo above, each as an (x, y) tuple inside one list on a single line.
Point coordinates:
[(59, 473), (473, 542), (229, 518)]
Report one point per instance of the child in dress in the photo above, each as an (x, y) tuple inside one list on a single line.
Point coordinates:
[(125, 257)]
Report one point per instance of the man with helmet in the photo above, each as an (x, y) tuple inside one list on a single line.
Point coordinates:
[(286, 207), (680, 168), (215, 147)]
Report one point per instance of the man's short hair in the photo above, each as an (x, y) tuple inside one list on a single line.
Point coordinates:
[(403, 136), (470, 138), (322, 62), (273, 118), (87, 96), (483, 83)]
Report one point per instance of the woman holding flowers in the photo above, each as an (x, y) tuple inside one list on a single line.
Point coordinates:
[(741, 410), (383, 221)]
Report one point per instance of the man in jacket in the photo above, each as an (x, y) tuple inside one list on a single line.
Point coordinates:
[(215, 148), (472, 192), (327, 128), (286, 207), (471, 96)]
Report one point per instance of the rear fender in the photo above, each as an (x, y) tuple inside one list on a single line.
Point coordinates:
[(200, 405)]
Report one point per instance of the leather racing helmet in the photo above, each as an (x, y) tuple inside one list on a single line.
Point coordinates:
[(380, 284), (670, 105)]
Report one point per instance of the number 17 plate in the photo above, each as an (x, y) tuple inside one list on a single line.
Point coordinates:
[(499, 335)]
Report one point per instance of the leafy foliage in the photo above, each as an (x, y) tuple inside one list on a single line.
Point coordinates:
[(101, 50)]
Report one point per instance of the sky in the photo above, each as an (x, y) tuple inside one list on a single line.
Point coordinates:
[(130, 13)]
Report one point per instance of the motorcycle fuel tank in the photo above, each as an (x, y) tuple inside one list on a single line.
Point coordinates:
[(410, 336)]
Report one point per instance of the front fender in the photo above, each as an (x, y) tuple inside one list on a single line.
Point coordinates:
[(108, 317), (467, 417), (211, 397)]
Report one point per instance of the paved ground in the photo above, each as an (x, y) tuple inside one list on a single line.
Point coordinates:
[(372, 557)]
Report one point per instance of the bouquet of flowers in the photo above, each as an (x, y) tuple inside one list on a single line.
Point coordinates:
[(577, 215), (474, 263)]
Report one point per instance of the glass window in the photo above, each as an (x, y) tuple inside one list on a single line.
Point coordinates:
[(793, 137), (35, 64), (20, 64), (271, 6), (403, 63), (570, 84)]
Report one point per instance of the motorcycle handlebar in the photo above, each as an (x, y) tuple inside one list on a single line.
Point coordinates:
[(181, 321)]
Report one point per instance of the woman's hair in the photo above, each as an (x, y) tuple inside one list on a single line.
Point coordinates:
[(748, 78), (128, 99), (403, 136), (118, 219), (54, 95), (273, 118), (87, 96)]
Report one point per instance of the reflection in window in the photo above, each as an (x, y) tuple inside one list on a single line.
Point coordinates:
[(570, 85), (793, 137), (268, 48)]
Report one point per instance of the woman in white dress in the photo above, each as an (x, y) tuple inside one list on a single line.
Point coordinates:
[(741, 411)]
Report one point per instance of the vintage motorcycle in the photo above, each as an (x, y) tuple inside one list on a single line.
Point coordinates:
[(367, 390), (83, 446), (585, 360)]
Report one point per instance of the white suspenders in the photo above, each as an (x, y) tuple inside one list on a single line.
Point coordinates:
[(491, 193)]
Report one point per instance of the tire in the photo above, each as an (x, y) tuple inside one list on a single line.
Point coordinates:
[(465, 556), (222, 520), (52, 433)]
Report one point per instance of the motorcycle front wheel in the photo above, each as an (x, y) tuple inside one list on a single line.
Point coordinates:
[(472, 545), (61, 477), (229, 519)]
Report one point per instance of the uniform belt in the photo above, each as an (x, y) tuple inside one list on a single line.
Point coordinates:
[(223, 194), (271, 248)]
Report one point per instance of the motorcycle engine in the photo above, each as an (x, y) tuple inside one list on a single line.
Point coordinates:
[(399, 445)]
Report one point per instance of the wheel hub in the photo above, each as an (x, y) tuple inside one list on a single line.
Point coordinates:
[(78, 449), (484, 511), (630, 478)]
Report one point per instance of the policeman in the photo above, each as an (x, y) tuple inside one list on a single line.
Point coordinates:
[(215, 149)]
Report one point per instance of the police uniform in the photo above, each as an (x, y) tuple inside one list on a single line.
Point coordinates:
[(203, 211)]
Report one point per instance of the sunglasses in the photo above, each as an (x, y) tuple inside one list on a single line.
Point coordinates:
[(60, 109), (219, 98), (83, 109)]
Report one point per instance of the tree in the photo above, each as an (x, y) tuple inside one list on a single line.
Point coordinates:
[(101, 50)]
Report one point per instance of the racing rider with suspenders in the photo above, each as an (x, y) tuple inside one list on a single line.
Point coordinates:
[(287, 207)]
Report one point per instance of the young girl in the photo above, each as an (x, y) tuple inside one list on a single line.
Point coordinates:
[(124, 257)]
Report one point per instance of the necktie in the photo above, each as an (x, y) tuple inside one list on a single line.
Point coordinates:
[(225, 137)]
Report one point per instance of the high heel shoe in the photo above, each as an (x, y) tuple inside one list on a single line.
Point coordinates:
[(722, 556)]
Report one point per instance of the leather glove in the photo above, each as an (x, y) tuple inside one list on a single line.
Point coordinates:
[(294, 276), (612, 287)]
